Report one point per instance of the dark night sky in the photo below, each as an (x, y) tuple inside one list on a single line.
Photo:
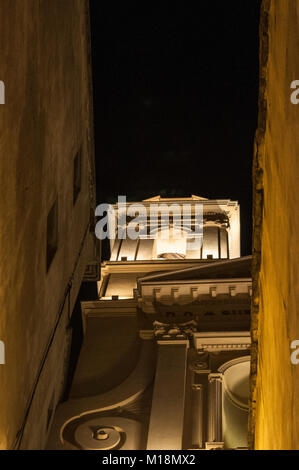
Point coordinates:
[(175, 100)]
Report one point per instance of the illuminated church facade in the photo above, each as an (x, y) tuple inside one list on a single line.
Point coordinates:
[(165, 359)]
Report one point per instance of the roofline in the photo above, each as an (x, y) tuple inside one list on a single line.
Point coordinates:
[(197, 267)]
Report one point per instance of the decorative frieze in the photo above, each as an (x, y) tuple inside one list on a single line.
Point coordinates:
[(222, 341)]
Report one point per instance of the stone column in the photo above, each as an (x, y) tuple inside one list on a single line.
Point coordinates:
[(215, 410), (197, 415), (168, 403)]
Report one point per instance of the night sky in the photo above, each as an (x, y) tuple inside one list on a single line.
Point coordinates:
[(175, 100)]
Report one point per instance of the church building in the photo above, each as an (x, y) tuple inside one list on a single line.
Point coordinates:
[(165, 360)]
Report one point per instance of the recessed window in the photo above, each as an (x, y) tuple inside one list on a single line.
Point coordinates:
[(52, 233), (77, 175)]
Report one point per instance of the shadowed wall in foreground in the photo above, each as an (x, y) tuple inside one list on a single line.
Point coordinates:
[(274, 422), (44, 123)]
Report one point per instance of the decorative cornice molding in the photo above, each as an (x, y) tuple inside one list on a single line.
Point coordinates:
[(222, 341)]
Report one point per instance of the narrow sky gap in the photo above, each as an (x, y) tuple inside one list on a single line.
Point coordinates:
[(175, 101)]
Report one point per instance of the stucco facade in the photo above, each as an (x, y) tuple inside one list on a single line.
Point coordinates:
[(47, 200), (274, 422)]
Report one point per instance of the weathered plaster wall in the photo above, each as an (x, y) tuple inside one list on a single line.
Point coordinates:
[(45, 65), (274, 421)]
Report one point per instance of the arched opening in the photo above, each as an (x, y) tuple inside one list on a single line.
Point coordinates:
[(235, 392)]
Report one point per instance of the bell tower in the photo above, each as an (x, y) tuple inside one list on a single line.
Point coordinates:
[(220, 229)]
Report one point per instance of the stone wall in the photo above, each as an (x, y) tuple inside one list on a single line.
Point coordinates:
[(274, 422), (45, 121)]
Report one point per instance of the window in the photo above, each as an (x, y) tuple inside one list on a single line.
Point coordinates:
[(77, 175), (52, 233)]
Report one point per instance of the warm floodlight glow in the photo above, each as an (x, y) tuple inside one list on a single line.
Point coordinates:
[(172, 242)]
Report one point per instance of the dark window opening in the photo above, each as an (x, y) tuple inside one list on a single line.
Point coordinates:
[(52, 233), (77, 175)]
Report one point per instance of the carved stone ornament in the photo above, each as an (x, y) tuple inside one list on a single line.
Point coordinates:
[(168, 331)]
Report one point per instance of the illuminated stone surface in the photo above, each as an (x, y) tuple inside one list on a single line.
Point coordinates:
[(274, 422), (155, 342)]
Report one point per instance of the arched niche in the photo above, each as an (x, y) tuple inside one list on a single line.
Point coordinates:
[(235, 392)]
